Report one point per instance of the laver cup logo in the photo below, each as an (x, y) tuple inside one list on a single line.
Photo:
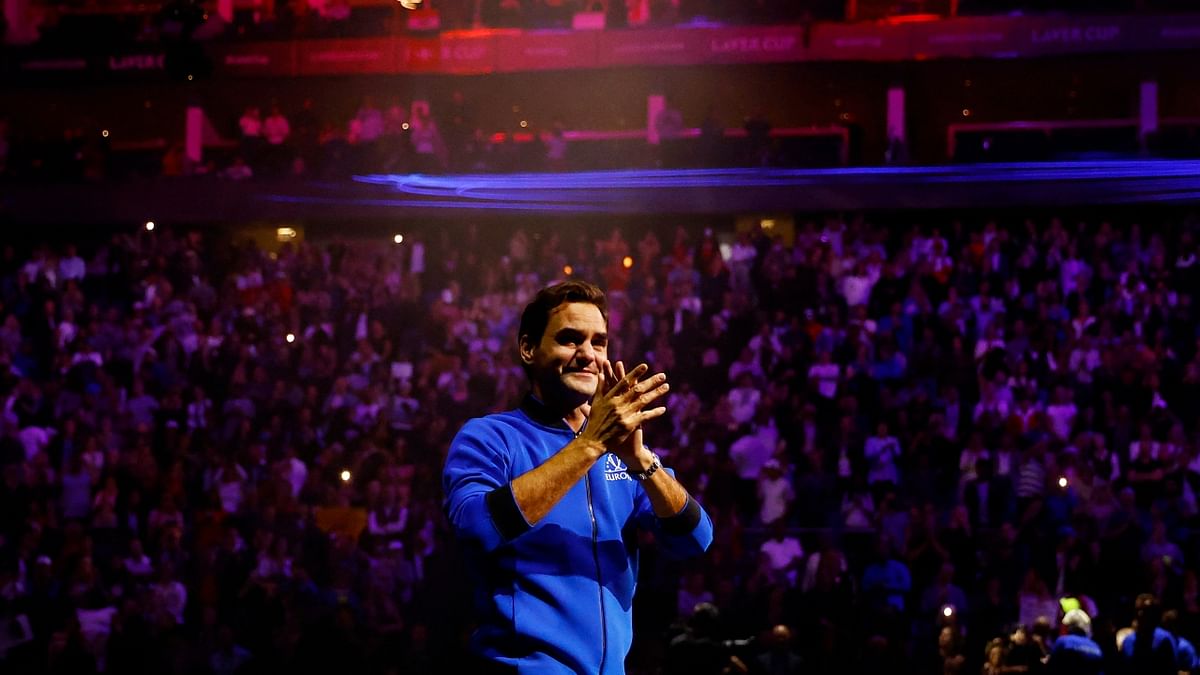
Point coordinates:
[(614, 468)]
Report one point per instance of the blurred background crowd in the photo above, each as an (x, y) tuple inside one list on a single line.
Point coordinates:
[(922, 443), (312, 139)]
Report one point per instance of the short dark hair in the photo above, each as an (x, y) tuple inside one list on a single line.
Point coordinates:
[(1147, 611), (536, 316)]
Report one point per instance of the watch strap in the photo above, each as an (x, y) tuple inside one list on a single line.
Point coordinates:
[(655, 465)]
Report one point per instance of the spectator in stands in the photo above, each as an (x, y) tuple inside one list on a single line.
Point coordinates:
[(881, 452), (305, 127), (395, 143), (457, 124), (364, 133), (276, 129), (556, 147), (668, 124), (782, 555), (428, 146), (251, 126), (1149, 649), (780, 658), (71, 267), (775, 492), (276, 132), (238, 169)]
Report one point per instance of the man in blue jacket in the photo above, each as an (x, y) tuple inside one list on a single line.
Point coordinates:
[(1185, 653), (1150, 650), (547, 499)]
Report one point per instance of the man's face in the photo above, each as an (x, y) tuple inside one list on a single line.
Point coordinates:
[(567, 361)]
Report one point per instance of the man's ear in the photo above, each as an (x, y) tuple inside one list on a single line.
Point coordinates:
[(525, 349)]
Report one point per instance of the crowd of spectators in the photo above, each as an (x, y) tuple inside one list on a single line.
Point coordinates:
[(922, 445), (411, 137), (395, 136), (400, 137)]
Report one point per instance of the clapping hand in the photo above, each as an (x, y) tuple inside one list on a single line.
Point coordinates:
[(620, 408)]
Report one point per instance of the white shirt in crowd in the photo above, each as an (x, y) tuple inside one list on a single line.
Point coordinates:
[(197, 414), (33, 268), (881, 454), (34, 439), (72, 268), (826, 375), (95, 625), (743, 401), (774, 495), (170, 597), (139, 566), (1062, 418), (295, 473), (752, 451), (856, 289), (780, 554)]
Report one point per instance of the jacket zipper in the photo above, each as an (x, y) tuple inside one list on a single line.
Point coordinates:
[(587, 484)]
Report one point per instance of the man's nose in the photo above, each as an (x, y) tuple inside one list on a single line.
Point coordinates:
[(586, 352)]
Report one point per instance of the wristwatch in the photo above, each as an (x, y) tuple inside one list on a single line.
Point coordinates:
[(655, 465)]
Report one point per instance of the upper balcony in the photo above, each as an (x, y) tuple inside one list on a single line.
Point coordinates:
[(101, 38)]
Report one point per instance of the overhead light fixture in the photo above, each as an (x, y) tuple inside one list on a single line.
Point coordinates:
[(412, 4)]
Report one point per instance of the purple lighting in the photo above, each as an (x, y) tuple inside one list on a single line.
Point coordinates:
[(629, 191)]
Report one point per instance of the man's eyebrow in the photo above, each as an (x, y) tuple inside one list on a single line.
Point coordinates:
[(575, 332)]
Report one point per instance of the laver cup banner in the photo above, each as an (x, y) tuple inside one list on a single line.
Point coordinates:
[(506, 51)]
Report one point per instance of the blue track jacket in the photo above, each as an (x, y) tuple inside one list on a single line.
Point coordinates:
[(556, 597)]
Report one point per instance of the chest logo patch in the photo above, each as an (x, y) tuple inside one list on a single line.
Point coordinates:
[(615, 469)]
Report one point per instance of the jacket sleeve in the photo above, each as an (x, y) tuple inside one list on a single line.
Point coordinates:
[(478, 493), (683, 535)]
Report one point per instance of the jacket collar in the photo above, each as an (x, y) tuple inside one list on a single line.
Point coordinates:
[(540, 413)]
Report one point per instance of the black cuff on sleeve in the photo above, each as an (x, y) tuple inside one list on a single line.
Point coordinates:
[(683, 522), (505, 512)]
